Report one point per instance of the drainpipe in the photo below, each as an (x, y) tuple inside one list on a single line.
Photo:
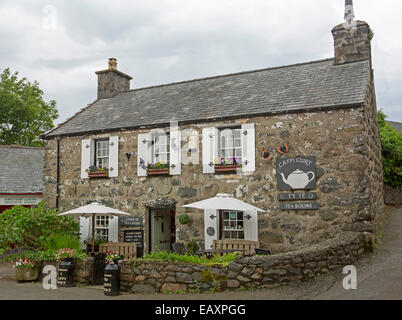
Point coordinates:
[(58, 174)]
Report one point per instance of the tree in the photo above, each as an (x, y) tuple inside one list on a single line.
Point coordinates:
[(391, 143), (24, 114)]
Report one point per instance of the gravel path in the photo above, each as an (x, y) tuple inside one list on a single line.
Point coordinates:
[(379, 276)]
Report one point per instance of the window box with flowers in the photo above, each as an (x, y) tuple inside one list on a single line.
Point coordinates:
[(26, 270), (94, 172), (224, 165), (158, 169)]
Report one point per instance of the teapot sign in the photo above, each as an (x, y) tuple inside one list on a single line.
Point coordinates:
[(296, 173)]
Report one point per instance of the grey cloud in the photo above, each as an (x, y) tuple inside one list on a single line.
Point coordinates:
[(162, 41)]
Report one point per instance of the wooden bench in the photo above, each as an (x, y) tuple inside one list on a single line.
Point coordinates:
[(125, 249), (247, 247)]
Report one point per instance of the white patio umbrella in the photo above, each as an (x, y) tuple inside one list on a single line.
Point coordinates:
[(92, 210), (223, 201)]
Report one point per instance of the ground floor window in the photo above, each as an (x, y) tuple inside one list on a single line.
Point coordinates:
[(232, 224), (102, 228)]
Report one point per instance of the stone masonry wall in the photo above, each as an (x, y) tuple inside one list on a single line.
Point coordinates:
[(345, 170), (82, 271), (392, 195), (142, 276)]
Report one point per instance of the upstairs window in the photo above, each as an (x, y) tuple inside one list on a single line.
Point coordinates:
[(161, 149), (230, 145), (102, 154)]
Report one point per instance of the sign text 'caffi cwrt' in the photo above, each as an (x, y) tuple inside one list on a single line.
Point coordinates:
[(296, 173)]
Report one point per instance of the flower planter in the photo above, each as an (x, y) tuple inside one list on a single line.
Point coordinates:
[(227, 168), (89, 248), (99, 174), (157, 172), (26, 274)]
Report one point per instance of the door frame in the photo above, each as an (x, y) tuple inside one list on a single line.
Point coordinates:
[(169, 212)]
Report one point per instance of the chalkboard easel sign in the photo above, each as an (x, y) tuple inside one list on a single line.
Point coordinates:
[(134, 236), (137, 237)]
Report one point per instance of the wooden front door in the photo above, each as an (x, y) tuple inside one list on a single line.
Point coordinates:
[(162, 230)]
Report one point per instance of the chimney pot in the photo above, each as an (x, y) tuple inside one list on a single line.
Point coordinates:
[(112, 64)]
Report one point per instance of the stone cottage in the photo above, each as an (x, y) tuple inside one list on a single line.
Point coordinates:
[(300, 142), (21, 177)]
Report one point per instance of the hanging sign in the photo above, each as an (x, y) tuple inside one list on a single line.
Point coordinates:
[(296, 173)]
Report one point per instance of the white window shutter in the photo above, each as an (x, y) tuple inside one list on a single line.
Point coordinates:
[(251, 226), (85, 157), (210, 222), (209, 148), (142, 154), (248, 147), (175, 152), (113, 229), (114, 156), (85, 228)]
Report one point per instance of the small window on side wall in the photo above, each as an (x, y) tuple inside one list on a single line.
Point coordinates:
[(232, 224)]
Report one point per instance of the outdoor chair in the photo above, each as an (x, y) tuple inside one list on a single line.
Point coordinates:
[(179, 248)]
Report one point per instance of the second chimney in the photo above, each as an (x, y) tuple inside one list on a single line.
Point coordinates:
[(111, 82)]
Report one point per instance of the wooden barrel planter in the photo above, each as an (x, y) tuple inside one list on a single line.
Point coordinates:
[(157, 172), (99, 174), (227, 168)]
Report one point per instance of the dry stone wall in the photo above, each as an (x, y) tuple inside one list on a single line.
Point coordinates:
[(145, 276), (348, 184)]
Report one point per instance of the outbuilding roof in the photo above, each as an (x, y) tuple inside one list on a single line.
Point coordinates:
[(396, 125), (21, 169), (317, 84)]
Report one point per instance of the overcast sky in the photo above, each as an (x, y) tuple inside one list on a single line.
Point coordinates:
[(62, 43)]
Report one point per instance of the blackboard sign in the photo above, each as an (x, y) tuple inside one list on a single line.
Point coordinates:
[(133, 221), (296, 173), (134, 236)]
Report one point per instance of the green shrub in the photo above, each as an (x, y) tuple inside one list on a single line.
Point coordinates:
[(170, 256), (29, 227), (192, 247), (391, 143), (61, 240)]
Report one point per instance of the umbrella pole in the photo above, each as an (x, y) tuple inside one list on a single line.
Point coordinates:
[(93, 233)]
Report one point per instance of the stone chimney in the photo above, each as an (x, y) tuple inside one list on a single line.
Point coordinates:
[(111, 81), (352, 39)]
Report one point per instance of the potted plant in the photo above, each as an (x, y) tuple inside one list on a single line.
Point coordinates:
[(184, 218), (223, 165), (97, 243), (158, 169), (26, 270), (68, 254), (112, 257), (94, 172)]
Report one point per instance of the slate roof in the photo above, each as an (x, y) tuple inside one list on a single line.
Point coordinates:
[(396, 125), (21, 169), (317, 84)]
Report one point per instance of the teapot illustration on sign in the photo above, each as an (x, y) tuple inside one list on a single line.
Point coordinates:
[(298, 179)]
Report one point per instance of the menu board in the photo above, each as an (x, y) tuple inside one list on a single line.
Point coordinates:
[(134, 236)]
